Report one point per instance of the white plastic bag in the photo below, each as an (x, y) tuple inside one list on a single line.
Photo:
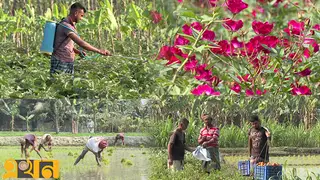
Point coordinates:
[(201, 154)]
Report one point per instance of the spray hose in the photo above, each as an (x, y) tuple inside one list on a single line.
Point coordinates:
[(97, 55)]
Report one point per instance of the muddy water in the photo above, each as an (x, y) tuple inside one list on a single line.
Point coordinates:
[(114, 169)]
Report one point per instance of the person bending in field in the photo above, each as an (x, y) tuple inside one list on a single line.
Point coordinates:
[(209, 139), (258, 141), (119, 136), (46, 140), (27, 141), (62, 59), (177, 147), (96, 145)]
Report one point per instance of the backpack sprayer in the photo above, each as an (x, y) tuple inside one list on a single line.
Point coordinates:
[(47, 45)]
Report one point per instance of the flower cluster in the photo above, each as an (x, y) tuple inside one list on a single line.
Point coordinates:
[(256, 51)]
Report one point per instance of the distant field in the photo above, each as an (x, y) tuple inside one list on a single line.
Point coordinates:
[(38, 133)]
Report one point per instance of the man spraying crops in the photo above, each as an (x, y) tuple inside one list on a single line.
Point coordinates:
[(258, 141), (96, 145), (27, 141), (46, 140), (62, 59)]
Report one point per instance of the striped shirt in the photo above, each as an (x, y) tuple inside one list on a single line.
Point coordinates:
[(211, 132)]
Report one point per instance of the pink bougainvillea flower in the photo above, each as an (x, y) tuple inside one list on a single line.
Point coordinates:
[(270, 41), (305, 72), (224, 48), (204, 89), (196, 26), (236, 6), (191, 64), (262, 28), (201, 68), (180, 1), (204, 76), (170, 53), (259, 92), (249, 92), (156, 17), (294, 28), (315, 47), (180, 40), (313, 43), (245, 78), (301, 90), (306, 53), (236, 88), (216, 80), (213, 3), (164, 53), (276, 4), (256, 10), (261, 62), (285, 43), (232, 25), (316, 27), (208, 35), (187, 29), (236, 44)]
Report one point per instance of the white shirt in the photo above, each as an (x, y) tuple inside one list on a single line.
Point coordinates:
[(93, 144)]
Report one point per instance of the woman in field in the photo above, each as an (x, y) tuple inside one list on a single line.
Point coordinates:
[(119, 136), (46, 140), (25, 142)]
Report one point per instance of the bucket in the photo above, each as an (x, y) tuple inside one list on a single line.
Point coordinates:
[(48, 37)]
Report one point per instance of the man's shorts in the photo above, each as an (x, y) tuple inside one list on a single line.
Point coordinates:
[(177, 165)]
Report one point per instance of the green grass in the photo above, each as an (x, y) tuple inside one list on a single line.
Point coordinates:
[(192, 169), (112, 168), (68, 134)]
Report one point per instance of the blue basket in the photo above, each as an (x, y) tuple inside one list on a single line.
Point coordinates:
[(244, 168), (268, 172)]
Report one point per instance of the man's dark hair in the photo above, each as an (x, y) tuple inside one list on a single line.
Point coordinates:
[(254, 118), (209, 118), (184, 121), (76, 6)]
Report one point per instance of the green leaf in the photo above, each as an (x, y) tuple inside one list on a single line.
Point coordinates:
[(175, 90), (235, 78), (55, 11), (112, 19), (201, 48), (188, 14)]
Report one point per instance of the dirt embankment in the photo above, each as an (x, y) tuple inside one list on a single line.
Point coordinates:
[(133, 141)]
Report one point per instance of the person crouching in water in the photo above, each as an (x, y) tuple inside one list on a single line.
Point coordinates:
[(96, 145), (177, 147), (119, 136), (46, 140), (209, 139), (25, 142)]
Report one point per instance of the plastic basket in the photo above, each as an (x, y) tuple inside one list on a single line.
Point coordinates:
[(267, 172), (244, 168)]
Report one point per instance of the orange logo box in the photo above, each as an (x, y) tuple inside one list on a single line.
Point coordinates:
[(31, 169)]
